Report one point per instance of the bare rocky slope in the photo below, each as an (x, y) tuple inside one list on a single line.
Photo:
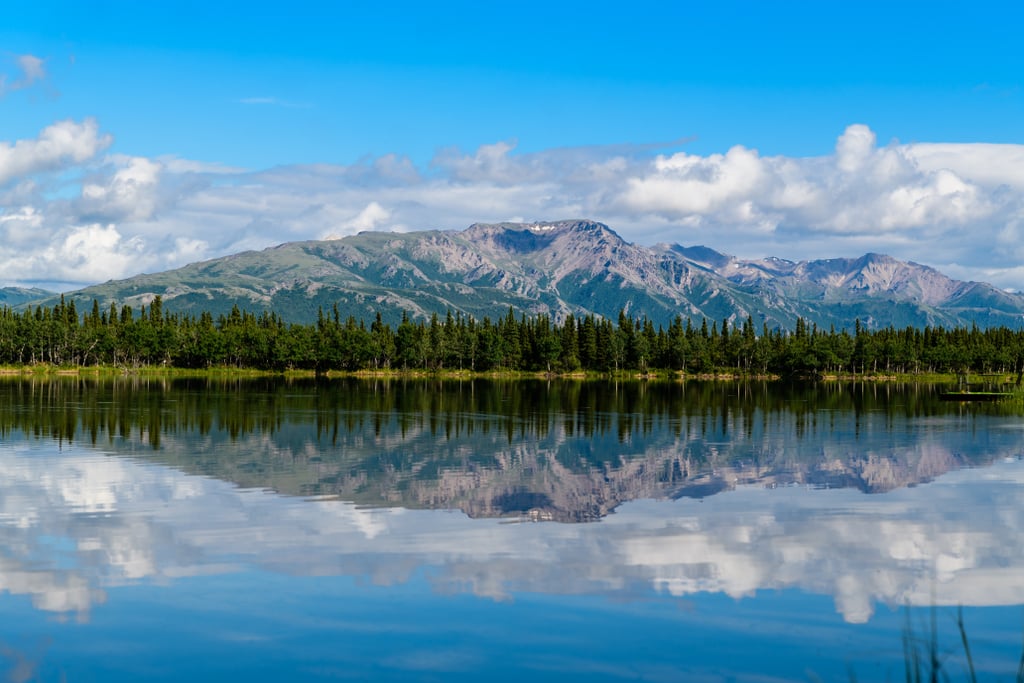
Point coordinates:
[(557, 268)]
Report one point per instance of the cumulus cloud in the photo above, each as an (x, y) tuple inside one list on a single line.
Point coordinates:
[(954, 206), (78, 254), (372, 217), (129, 194), (686, 185), (923, 202), (92, 251), (63, 144), (860, 189), (854, 148)]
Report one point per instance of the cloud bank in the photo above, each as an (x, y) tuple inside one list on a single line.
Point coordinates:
[(957, 207)]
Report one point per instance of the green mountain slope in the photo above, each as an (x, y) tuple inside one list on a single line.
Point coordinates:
[(565, 267)]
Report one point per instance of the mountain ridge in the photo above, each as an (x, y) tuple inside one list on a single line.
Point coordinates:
[(17, 296), (558, 268)]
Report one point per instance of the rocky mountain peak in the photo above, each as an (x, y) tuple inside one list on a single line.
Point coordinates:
[(580, 227), (546, 239), (703, 256)]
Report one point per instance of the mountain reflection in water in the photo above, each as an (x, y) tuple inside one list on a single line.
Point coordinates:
[(565, 451), (364, 460)]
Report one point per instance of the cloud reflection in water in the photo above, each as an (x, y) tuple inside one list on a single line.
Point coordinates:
[(75, 523)]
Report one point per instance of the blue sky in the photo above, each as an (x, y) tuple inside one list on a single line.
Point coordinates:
[(238, 90), (410, 78)]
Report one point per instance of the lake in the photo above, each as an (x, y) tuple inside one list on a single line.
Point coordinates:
[(272, 530)]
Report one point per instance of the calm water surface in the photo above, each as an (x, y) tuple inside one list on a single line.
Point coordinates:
[(426, 531)]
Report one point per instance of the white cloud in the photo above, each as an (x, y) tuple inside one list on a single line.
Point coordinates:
[(930, 203), (855, 148), (21, 227), (61, 145), (130, 194), (940, 204), (490, 163), (32, 70), (188, 250), (685, 184), (177, 165), (92, 252), (79, 254), (861, 189), (986, 164), (372, 217)]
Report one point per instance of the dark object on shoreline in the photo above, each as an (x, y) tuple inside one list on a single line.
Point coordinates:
[(974, 395)]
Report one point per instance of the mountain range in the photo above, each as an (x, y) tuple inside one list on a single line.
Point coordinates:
[(557, 268)]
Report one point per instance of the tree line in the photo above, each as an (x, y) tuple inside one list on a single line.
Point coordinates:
[(60, 335)]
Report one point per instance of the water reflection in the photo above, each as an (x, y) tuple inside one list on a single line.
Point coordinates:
[(564, 451), (717, 488), (75, 524)]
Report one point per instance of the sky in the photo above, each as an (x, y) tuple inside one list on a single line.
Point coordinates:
[(138, 139)]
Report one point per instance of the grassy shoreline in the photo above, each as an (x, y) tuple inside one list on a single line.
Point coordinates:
[(45, 370)]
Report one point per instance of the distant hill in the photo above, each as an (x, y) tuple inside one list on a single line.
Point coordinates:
[(16, 296), (574, 266)]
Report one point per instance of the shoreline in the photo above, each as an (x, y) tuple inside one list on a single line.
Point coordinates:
[(46, 371)]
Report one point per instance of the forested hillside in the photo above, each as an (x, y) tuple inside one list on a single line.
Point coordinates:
[(60, 335)]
